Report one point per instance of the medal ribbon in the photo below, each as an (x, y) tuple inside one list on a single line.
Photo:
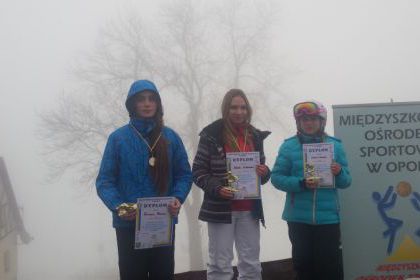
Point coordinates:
[(144, 140), (235, 141)]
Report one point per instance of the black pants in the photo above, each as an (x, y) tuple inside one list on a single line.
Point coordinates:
[(316, 251), (144, 264)]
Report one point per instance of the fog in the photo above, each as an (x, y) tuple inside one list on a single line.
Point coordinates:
[(337, 52)]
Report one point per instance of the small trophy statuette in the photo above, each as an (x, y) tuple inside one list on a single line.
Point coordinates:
[(231, 180), (124, 208), (310, 174)]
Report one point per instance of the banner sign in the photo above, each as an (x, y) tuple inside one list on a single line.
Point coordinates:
[(380, 212)]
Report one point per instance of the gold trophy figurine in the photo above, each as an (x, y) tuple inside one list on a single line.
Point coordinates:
[(124, 208), (231, 180), (310, 174)]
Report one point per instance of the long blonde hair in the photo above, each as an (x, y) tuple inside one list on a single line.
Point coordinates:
[(227, 100)]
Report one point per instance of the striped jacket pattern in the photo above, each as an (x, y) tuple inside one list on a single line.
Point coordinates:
[(209, 173)]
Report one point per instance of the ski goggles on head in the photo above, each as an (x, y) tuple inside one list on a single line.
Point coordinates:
[(306, 108)]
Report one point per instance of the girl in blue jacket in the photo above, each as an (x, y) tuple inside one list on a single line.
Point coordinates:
[(312, 213), (143, 159)]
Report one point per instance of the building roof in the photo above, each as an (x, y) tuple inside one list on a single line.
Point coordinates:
[(15, 217)]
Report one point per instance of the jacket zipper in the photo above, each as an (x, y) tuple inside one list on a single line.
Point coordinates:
[(314, 207), (337, 203)]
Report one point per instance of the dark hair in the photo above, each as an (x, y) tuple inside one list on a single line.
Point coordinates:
[(131, 105), (160, 171)]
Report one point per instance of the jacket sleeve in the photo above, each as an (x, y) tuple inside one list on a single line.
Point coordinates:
[(201, 171), (265, 178), (106, 182), (343, 179), (181, 171), (281, 176)]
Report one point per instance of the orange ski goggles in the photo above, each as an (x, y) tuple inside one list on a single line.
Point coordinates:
[(306, 108)]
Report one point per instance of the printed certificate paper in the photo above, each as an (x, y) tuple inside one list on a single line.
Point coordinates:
[(153, 223), (243, 166), (317, 159)]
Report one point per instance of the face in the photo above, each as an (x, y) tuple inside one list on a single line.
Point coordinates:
[(238, 112), (145, 104), (310, 124)]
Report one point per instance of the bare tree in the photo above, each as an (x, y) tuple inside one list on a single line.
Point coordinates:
[(196, 52)]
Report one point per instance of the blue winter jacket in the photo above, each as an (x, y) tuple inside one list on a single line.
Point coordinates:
[(319, 206), (124, 173)]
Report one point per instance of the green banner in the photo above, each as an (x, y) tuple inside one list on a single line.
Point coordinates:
[(381, 210)]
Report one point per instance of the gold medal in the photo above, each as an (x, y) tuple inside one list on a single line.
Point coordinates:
[(152, 159)]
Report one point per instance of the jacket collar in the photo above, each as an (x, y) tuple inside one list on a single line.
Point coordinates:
[(214, 132)]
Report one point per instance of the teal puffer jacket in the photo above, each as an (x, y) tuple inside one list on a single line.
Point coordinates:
[(303, 205)]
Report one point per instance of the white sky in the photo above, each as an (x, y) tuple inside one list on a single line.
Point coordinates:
[(337, 52)]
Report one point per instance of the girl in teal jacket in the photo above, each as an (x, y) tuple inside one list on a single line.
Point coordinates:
[(312, 213)]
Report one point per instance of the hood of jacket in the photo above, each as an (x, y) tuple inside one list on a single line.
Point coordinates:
[(140, 86)]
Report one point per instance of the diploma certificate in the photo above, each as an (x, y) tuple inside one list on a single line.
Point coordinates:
[(154, 223), (243, 165), (317, 159)]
